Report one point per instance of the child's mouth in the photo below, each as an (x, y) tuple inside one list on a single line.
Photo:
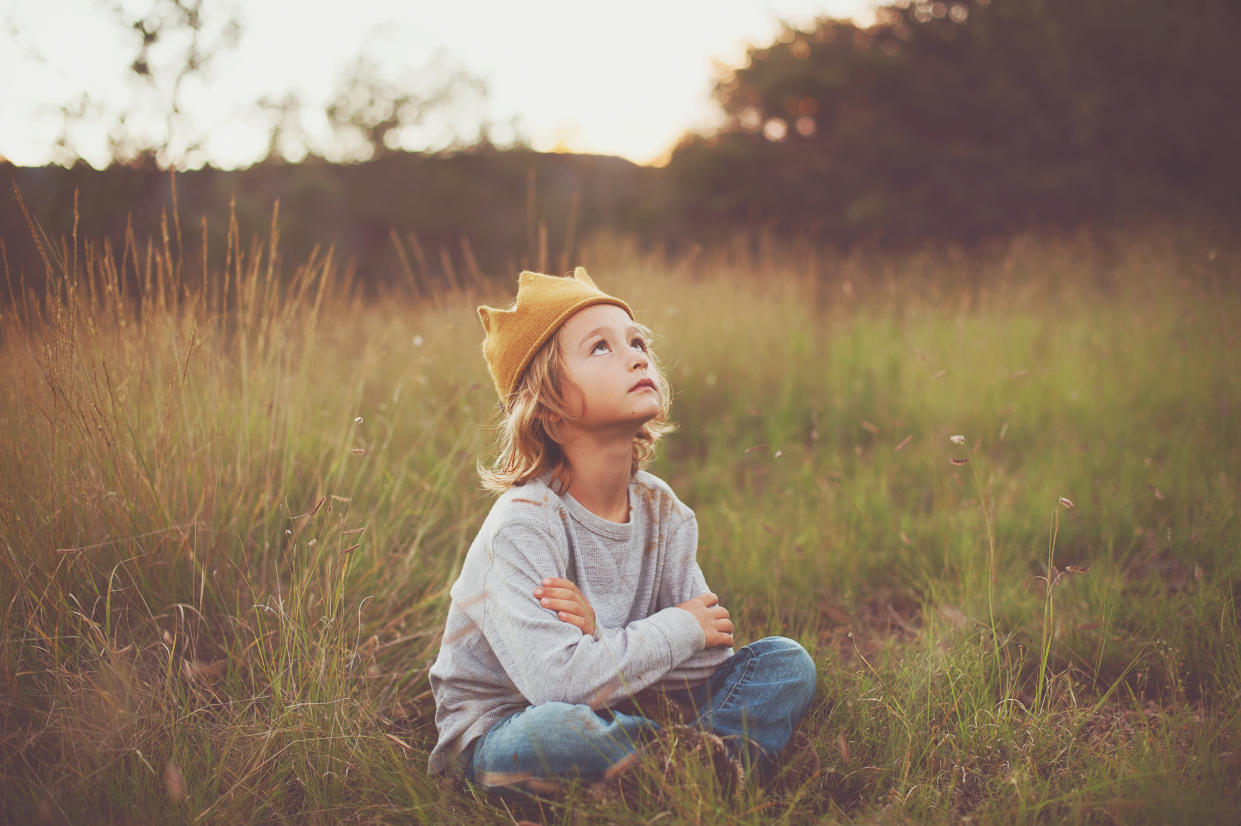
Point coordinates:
[(645, 383)]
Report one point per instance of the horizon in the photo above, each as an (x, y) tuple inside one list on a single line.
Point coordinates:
[(642, 78)]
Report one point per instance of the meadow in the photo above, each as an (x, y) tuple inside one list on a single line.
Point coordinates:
[(231, 511)]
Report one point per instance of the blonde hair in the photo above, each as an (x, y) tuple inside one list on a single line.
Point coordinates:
[(527, 436)]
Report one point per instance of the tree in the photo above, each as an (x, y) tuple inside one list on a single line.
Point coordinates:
[(175, 44), (972, 117), (171, 50), (378, 108)]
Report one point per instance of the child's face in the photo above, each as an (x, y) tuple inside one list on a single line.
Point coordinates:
[(612, 381)]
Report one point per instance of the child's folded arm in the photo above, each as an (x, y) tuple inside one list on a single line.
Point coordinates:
[(683, 580), (549, 660)]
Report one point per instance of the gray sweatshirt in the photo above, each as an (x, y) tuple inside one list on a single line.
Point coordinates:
[(502, 651)]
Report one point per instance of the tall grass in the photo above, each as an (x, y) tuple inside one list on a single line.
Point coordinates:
[(232, 508)]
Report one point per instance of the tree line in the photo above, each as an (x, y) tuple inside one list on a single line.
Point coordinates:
[(952, 119), (968, 118)]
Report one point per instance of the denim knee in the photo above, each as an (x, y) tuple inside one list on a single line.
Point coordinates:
[(555, 713), (573, 725), (555, 740), (794, 664)]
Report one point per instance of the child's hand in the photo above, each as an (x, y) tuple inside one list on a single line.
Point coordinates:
[(713, 618), (563, 597)]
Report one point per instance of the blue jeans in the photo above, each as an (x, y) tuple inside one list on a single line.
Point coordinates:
[(752, 702)]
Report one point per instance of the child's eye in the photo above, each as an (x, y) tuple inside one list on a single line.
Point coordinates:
[(639, 343), (600, 346)]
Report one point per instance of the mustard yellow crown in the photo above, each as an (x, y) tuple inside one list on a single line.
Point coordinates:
[(544, 302)]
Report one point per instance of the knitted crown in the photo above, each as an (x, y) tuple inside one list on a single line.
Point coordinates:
[(544, 303)]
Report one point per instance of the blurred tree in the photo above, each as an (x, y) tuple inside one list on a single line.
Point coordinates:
[(288, 139), (974, 117), (381, 103), (175, 44), (384, 105)]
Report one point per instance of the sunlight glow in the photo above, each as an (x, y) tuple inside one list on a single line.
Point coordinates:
[(564, 75)]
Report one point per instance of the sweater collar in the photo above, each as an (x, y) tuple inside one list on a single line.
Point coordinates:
[(597, 524)]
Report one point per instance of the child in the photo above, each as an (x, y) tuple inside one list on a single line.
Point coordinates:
[(582, 587)]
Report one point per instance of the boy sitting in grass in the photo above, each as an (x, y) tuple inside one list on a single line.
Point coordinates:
[(582, 588)]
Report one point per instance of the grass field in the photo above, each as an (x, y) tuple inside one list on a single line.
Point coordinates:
[(230, 517)]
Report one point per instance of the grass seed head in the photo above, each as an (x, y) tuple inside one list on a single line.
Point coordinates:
[(174, 782), (199, 671)]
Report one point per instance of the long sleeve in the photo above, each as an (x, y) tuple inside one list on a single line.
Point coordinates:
[(683, 580), (549, 660)]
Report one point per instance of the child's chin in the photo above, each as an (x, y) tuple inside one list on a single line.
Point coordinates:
[(637, 419), (647, 407)]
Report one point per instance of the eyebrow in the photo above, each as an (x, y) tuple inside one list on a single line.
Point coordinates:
[(630, 330)]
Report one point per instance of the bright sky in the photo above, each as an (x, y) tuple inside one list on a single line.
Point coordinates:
[(623, 78)]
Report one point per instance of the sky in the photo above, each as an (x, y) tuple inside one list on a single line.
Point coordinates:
[(619, 78)]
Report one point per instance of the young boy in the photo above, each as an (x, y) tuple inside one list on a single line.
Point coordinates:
[(582, 587)]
